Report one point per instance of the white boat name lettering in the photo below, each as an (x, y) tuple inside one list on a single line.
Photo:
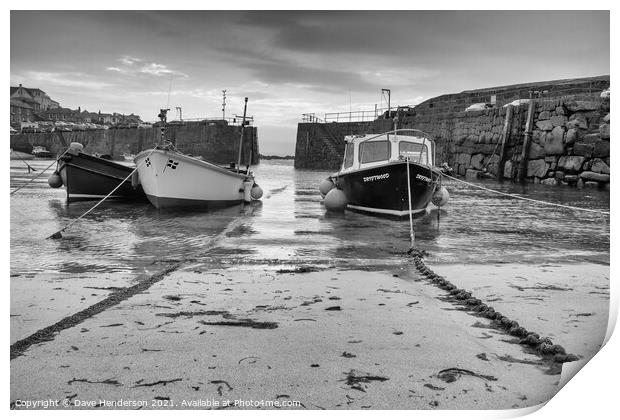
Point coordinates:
[(423, 178), (376, 177)]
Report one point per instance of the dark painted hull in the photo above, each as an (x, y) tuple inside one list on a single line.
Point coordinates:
[(42, 154), (382, 190), (88, 177)]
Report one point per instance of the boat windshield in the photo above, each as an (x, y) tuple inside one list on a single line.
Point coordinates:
[(416, 152), (374, 151), (348, 155)]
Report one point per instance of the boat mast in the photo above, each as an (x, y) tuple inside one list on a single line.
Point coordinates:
[(245, 107), (389, 97), (162, 118), (224, 104)]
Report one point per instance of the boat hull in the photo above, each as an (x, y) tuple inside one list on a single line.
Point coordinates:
[(88, 177), (42, 155), (173, 180), (382, 190)]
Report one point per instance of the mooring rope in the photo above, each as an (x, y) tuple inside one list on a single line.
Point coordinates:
[(411, 231), (25, 163), (58, 234), (44, 170), (525, 198)]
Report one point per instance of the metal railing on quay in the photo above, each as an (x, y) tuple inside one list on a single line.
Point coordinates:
[(351, 116)]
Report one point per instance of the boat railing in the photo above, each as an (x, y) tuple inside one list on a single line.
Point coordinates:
[(401, 130)]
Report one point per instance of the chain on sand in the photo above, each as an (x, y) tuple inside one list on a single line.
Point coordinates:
[(543, 346)]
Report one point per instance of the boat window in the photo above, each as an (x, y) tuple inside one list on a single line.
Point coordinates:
[(373, 151), (412, 150), (348, 155)]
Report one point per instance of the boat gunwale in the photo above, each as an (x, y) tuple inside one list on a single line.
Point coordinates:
[(69, 156), (65, 164), (434, 169), (191, 159)]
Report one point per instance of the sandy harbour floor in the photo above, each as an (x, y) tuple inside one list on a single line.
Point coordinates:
[(328, 339)]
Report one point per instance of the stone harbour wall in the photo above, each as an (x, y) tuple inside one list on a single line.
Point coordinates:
[(215, 141), (569, 141), (321, 146)]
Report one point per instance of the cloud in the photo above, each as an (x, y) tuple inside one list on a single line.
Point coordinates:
[(157, 69), (138, 66), (129, 61), (62, 79), (269, 67)]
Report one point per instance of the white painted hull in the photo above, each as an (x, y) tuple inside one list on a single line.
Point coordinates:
[(171, 179)]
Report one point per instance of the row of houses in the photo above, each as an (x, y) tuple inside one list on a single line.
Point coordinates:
[(79, 116), (33, 104)]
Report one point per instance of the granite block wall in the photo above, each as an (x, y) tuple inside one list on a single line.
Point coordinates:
[(215, 141)]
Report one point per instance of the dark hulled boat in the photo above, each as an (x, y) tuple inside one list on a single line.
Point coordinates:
[(88, 177), (41, 152), (375, 168)]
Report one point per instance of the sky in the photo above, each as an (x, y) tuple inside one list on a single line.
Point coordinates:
[(293, 62)]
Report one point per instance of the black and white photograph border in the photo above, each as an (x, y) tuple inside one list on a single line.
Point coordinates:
[(473, 282)]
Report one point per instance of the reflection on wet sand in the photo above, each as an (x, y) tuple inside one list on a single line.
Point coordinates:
[(328, 303)]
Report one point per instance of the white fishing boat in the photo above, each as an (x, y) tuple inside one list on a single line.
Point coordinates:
[(170, 178), (128, 157)]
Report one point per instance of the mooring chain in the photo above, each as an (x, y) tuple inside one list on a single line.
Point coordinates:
[(543, 346)]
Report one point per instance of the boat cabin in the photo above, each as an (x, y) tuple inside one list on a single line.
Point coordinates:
[(366, 151)]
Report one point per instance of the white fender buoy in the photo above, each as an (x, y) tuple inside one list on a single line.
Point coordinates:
[(54, 180), (247, 191), (441, 197), (335, 200), (326, 186), (76, 147), (257, 192)]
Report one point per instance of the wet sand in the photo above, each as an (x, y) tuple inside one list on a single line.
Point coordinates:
[(329, 339), (235, 318), (568, 303)]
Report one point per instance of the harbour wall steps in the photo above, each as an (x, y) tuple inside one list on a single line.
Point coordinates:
[(215, 141)]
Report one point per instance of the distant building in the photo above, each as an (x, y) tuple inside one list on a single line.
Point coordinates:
[(79, 116), (36, 98), (32, 104), (62, 114), (131, 119), (21, 111)]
